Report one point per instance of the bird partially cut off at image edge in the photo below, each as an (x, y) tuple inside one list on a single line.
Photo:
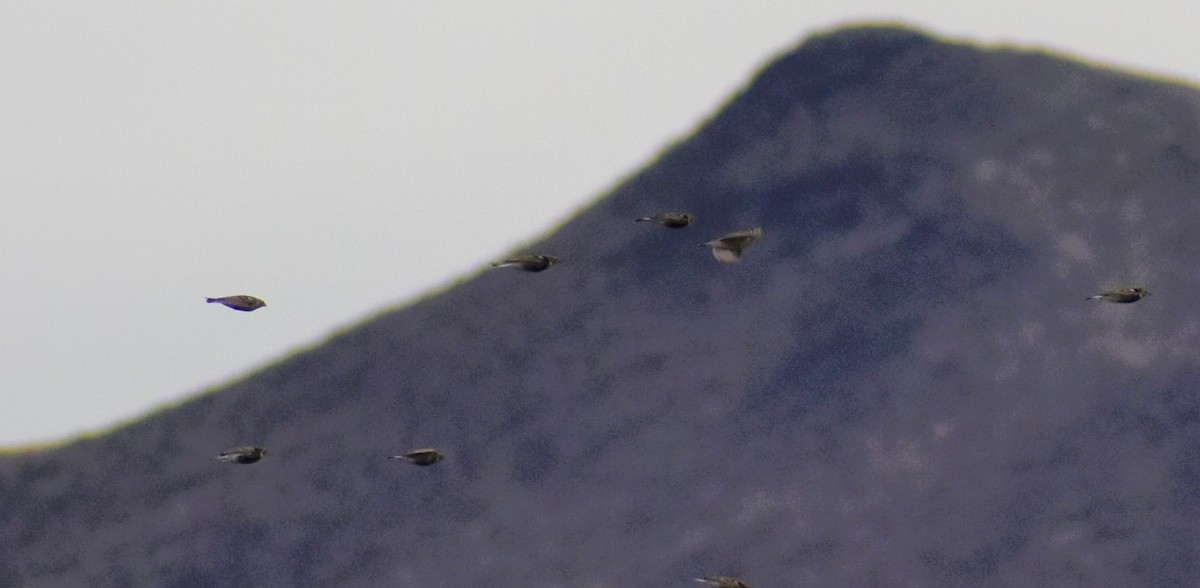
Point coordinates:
[(722, 582), (242, 455), (1121, 295), (529, 263), (728, 249), (240, 302), (674, 220), (421, 457)]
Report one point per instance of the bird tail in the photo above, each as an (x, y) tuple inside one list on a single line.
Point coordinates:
[(1096, 297), (211, 300), (644, 219), (404, 457), (502, 264)]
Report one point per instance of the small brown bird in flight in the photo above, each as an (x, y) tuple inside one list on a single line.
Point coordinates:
[(243, 455), (674, 220), (240, 302), (529, 263), (421, 457), (728, 249), (1121, 295), (723, 582)]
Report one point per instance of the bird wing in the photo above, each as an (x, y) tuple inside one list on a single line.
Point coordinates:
[(742, 238), (521, 261)]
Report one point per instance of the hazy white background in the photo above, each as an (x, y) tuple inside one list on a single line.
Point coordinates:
[(339, 157)]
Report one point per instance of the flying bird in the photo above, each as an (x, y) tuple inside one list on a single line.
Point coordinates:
[(674, 220), (243, 455), (1121, 295), (729, 248), (240, 302), (529, 263), (723, 582), (421, 457)]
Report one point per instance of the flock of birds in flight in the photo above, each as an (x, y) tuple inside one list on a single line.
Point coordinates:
[(727, 249)]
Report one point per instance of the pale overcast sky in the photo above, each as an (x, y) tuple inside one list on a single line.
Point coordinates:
[(337, 158)]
